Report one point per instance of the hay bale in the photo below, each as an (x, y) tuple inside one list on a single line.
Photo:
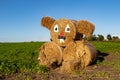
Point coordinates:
[(85, 27), (50, 55), (70, 66), (88, 55), (47, 22), (62, 25), (78, 53)]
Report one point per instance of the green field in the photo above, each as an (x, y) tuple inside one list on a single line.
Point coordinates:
[(21, 58)]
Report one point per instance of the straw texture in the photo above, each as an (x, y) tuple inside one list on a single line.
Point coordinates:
[(85, 27), (50, 55), (78, 55)]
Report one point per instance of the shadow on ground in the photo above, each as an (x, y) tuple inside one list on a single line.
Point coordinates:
[(100, 57)]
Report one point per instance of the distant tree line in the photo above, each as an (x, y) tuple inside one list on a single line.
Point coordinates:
[(100, 37)]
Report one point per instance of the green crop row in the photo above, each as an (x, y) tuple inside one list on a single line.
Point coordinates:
[(19, 57)]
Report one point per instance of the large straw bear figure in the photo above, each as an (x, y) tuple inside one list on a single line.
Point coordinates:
[(67, 50)]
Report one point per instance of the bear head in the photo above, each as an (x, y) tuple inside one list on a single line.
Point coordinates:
[(63, 31)]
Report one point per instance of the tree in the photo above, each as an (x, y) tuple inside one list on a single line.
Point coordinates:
[(109, 37), (93, 38), (115, 38), (100, 37)]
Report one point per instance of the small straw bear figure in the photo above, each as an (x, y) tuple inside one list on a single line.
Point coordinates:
[(67, 50)]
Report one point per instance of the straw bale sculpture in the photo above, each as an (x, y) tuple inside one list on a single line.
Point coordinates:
[(67, 50)]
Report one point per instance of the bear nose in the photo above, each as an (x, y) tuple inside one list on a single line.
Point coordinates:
[(61, 34)]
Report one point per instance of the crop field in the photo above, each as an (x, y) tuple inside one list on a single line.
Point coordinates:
[(18, 61)]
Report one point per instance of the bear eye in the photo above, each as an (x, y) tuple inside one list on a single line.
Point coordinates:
[(56, 28), (67, 29)]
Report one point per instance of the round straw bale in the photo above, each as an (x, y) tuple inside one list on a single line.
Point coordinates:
[(50, 55), (88, 55), (76, 55)]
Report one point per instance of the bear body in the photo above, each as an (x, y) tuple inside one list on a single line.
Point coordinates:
[(67, 50)]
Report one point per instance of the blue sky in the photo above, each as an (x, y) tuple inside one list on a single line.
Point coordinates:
[(20, 19)]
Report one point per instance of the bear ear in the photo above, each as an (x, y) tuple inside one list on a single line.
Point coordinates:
[(85, 27), (47, 22)]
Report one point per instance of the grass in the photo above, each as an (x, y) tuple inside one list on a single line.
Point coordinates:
[(22, 58), (108, 47)]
